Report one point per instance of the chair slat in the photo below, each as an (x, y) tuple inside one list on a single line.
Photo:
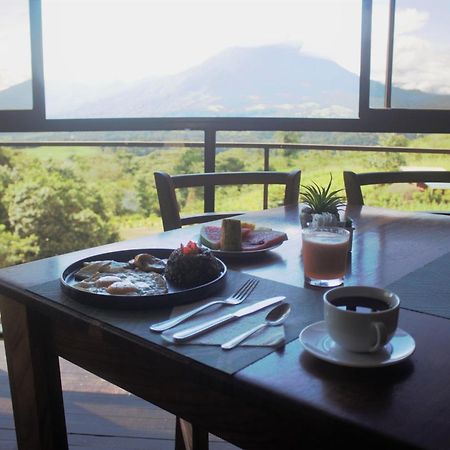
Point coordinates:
[(353, 181), (166, 186)]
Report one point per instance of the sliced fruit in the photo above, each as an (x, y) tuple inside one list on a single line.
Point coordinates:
[(210, 236), (231, 235), (252, 239), (261, 239)]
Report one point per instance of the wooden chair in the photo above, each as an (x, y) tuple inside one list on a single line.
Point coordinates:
[(354, 181), (166, 186)]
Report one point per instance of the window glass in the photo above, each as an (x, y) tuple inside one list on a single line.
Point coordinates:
[(421, 59), (15, 59), (421, 73), (201, 58)]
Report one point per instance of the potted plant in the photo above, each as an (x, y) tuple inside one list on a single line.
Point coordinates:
[(321, 207)]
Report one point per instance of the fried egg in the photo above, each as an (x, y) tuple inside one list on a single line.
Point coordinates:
[(121, 280)]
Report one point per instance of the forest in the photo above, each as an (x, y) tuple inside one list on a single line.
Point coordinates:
[(59, 199)]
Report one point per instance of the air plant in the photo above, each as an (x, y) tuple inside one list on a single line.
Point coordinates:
[(320, 200)]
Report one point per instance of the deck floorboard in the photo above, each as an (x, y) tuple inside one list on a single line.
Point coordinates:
[(100, 415)]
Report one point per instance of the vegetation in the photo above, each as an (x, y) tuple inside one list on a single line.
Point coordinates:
[(56, 200), (320, 199)]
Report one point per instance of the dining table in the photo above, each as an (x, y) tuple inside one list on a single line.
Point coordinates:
[(255, 397)]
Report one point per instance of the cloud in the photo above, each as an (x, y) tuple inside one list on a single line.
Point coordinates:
[(419, 63), (410, 20)]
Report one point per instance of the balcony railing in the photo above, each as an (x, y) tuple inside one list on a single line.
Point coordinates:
[(211, 147)]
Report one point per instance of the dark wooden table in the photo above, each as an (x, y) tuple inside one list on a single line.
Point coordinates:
[(288, 399)]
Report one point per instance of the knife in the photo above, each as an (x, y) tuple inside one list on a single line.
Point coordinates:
[(206, 326)]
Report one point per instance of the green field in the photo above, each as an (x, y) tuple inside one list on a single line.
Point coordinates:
[(100, 194)]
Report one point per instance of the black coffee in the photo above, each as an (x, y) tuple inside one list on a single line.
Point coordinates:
[(360, 304)]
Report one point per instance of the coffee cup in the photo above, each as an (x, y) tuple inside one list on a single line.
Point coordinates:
[(361, 318)]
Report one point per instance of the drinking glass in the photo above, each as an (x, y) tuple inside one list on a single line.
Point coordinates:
[(325, 255)]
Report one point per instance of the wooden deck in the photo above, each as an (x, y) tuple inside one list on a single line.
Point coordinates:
[(100, 415)]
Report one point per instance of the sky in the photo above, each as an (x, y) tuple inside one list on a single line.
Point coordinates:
[(125, 40)]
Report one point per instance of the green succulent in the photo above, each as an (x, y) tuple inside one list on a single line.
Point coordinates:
[(322, 199)]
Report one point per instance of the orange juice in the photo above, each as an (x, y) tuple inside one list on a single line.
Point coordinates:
[(325, 255)]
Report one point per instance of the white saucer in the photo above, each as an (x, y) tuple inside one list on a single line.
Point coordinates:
[(316, 341)]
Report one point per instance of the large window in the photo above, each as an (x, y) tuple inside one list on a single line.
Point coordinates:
[(201, 58), (306, 65)]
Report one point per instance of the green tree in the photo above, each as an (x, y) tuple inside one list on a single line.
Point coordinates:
[(229, 164), (5, 181), (127, 161), (288, 137), (392, 160), (61, 212), (191, 161), (16, 250), (146, 195)]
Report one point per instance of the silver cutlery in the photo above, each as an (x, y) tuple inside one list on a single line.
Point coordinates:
[(211, 324), (238, 297), (275, 317)]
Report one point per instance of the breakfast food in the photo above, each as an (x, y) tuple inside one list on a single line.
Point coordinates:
[(148, 263), (210, 235), (191, 265), (261, 239), (252, 238), (121, 278), (231, 237)]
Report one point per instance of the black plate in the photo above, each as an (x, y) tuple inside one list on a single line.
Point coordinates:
[(175, 296)]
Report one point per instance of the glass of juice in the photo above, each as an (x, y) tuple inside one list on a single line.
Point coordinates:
[(325, 255)]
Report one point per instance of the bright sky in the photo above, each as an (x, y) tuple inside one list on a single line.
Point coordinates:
[(132, 39), (98, 40)]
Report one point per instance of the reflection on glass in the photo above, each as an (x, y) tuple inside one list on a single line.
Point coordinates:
[(15, 56), (422, 55), (420, 75)]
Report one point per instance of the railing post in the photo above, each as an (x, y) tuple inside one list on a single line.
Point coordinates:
[(266, 169), (209, 166)]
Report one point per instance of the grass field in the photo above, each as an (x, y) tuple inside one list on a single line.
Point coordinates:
[(115, 171)]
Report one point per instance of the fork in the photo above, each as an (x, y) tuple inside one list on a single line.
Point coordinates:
[(238, 297)]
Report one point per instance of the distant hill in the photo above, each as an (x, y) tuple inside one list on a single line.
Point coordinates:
[(269, 81), (18, 96)]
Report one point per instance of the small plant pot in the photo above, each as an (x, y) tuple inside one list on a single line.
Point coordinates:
[(305, 219)]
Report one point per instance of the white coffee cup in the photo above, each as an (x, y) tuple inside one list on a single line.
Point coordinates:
[(361, 318)]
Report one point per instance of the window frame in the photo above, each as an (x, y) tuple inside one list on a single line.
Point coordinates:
[(385, 119)]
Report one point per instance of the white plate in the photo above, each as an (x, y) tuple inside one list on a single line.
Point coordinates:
[(244, 253), (239, 253), (316, 341)]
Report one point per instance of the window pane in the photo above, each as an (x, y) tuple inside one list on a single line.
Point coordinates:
[(15, 55), (422, 54), (421, 60), (205, 58)]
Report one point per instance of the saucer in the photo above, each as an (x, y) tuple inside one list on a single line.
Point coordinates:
[(316, 341)]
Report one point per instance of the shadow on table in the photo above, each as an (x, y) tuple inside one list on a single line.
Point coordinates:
[(356, 388)]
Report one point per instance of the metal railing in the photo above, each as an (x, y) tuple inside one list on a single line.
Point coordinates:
[(211, 147)]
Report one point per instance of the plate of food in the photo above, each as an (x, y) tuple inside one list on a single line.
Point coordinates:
[(239, 239), (144, 278)]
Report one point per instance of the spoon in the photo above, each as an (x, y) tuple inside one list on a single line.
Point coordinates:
[(275, 316)]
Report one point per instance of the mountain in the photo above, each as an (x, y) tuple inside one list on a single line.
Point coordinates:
[(262, 81), (16, 97), (275, 80)]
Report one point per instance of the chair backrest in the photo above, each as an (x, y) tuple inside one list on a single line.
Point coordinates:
[(354, 181), (166, 186)]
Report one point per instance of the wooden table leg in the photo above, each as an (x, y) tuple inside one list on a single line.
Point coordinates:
[(34, 378), (190, 437)]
